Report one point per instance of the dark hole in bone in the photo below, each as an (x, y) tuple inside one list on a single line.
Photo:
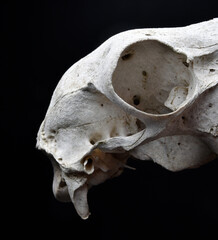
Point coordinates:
[(136, 100), (186, 64), (88, 164), (144, 73), (50, 136), (179, 143), (127, 56), (140, 124), (102, 105), (210, 105), (95, 137), (92, 141), (183, 119), (212, 70), (62, 183)]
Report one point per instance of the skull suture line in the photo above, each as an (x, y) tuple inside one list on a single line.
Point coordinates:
[(147, 93)]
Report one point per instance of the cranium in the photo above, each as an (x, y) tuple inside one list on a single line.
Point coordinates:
[(146, 93)]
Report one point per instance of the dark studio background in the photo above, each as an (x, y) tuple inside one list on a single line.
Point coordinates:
[(42, 39)]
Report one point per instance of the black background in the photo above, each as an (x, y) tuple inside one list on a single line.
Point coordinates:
[(41, 40)]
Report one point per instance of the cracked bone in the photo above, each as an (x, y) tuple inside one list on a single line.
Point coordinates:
[(147, 93)]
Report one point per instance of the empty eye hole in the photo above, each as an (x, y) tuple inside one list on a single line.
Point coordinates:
[(88, 165), (153, 78)]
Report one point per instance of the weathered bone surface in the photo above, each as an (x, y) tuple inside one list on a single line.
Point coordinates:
[(146, 93)]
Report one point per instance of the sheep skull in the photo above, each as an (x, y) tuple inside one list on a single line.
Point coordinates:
[(147, 93)]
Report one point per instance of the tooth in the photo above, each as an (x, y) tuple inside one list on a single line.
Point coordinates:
[(78, 189), (80, 201)]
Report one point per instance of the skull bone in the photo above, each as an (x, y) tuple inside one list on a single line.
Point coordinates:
[(146, 93)]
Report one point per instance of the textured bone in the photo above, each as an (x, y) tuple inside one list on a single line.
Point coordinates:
[(147, 93)]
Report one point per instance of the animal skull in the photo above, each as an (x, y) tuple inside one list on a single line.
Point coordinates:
[(146, 93)]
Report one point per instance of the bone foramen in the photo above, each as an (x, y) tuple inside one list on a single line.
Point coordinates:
[(146, 93)]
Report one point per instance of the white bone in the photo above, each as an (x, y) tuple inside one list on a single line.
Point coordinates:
[(147, 93)]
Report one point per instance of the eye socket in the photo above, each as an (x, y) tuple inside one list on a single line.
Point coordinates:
[(88, 164), (150, 74)]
